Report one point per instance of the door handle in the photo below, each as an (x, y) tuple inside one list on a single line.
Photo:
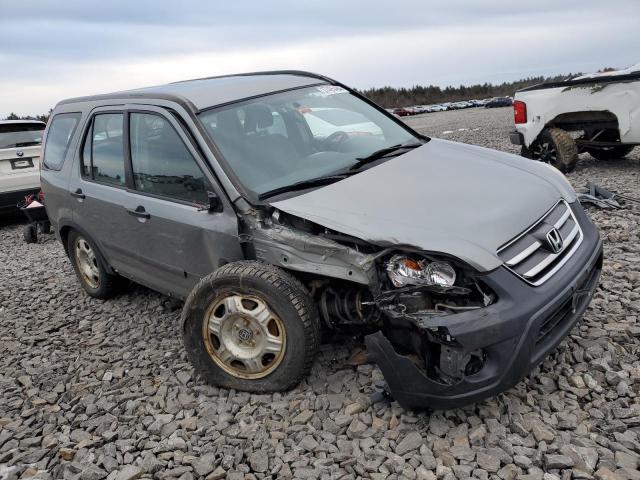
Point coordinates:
[(78, 194), (139, 212)]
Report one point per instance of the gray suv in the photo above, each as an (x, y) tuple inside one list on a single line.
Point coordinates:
[(279, 204)]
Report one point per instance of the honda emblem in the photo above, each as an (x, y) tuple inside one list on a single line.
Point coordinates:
[(554, 240)]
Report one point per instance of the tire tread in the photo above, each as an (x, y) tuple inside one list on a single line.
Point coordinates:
[(282, 281)]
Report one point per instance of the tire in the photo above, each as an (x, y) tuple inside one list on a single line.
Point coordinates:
[(555, 147), (610, 153), (30, 233), (292, 318), (97, 281)]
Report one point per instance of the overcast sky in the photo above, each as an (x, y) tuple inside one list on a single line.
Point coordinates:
[(51, 50)]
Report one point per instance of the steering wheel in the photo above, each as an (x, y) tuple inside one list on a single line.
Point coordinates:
[(336, 138)]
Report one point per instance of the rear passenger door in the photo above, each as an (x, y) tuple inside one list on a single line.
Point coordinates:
[(100, 188), (175, 239)]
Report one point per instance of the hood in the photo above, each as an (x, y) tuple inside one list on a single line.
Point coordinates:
[(448, 197)]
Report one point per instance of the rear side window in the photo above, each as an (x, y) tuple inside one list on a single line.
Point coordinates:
[(103, 154), (59, 137), (162, 164)]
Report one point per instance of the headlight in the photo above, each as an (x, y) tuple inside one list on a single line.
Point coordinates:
[(404, 270)]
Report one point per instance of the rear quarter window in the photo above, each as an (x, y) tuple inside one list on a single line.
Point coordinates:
[(59, 137)]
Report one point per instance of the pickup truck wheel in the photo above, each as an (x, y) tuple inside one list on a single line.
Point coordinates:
[(251, 326), (610, 153), (89, 268), (555, 147)]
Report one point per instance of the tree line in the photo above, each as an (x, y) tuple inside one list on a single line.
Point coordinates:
[(42, 117), (427, 95)]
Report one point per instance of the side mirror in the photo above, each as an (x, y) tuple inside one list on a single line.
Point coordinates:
[(214, 202)]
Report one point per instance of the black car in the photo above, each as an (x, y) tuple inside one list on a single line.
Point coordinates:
[(499, 102)]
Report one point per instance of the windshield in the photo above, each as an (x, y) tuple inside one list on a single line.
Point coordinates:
[(14, 135), (290, 137)]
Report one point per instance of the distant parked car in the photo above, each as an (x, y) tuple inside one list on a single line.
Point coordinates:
[(401, 112), (20, 142), (499, 102)]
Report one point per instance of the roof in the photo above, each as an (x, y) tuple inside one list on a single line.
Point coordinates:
[(11, 122), (213, 91)]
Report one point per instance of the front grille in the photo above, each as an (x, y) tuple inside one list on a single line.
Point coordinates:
[(531, 255)]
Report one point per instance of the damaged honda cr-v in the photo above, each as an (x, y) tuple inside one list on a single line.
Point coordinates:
[(279, 204)]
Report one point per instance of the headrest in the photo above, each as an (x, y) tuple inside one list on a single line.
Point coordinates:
[(257, 116), (228, 123)]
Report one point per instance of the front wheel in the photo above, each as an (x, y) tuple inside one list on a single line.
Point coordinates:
[(610, 153), (555, 147), (251, 326)]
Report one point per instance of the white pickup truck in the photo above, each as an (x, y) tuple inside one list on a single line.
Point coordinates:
[(20, 145), (598, 113)]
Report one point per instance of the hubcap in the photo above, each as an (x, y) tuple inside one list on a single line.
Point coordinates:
[(243, 336), (87, 262), (546, 152)]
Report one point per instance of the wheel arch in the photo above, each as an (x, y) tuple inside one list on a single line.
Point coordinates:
[(67, 227), (582, 120)]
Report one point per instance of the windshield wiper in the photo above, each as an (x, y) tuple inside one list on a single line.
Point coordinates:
[(312, 182), (383, 152)]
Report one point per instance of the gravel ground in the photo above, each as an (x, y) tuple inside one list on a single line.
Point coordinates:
[(94, 389)]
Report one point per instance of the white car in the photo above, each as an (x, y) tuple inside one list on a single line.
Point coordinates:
[(20, 143), (602, 110)]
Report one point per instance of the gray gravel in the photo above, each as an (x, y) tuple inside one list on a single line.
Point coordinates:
[(93, 389)]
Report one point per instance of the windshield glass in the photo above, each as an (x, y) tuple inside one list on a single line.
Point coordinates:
[(285, 138), (13, 135)]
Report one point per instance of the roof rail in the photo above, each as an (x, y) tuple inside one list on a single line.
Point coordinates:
[(300, 73)]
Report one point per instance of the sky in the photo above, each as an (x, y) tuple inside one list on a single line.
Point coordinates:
[(52, 50)]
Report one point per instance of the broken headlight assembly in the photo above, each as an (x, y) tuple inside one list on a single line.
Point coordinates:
[(419, 292), (404, 270), (419, 283)]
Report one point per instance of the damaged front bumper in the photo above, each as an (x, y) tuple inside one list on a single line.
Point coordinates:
[(514, 334)]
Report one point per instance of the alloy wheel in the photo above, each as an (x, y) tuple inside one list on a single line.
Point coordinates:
[(546, 152)]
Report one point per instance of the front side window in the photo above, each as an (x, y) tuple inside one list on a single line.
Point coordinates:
[(60, 132), (103, 154), (162, 164), (290, 137)]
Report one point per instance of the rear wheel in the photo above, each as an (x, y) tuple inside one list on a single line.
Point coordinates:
[(30, 233), (555, 147), (610, 153), (89, 268), (251, 326)]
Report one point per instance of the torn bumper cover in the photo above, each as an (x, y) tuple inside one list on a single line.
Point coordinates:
[(515, 334)]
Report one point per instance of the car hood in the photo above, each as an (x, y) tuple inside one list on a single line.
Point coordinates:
[(448, 197)]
